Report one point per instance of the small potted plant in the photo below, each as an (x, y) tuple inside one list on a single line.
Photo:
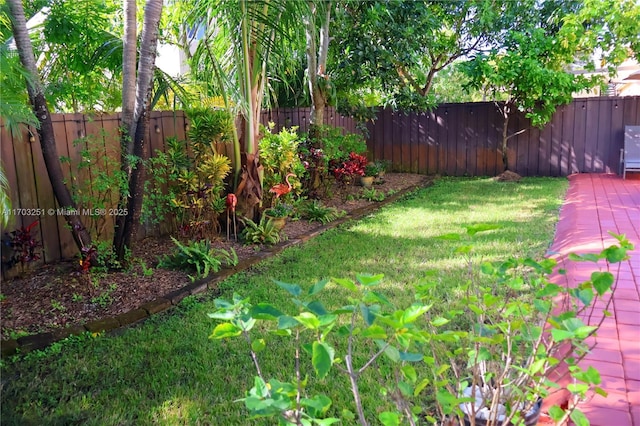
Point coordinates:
[(278, 214), (383, 166), (370, 173)]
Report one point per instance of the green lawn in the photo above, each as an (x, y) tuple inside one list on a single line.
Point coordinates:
[(167, 371)]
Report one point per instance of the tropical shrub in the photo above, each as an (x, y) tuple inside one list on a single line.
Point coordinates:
[(314, 211), (20, 247), (279, 157), (198, 257), (263, 232), (353, 167)]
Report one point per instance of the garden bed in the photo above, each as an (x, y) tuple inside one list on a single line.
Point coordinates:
[(58, 295)]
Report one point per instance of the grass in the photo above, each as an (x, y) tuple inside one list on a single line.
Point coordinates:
[(166, 371)]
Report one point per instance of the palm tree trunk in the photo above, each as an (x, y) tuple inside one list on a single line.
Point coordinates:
[(127, 225), (45, 131)]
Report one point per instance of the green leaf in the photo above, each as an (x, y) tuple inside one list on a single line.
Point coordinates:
[(308, 320), (392, 353), (225, 330), (446, 400), (286, 322), (317, 287), (579, 418), (560, 335), (389, 418), (410, 357), (348, 284), (260, 387), (556, 413), (409, 373), (292, 289), (405, 388), (322, 358), (602, 281), (615, 254), (317, 406), (414, 312), (258, 345), (374, 332), (367, 315), (374, 297), (222, 315), (578, 388), (420, 386), (369, 280), (450, 237), (440, 321), (326, 422), (265, 311), (317, 308)]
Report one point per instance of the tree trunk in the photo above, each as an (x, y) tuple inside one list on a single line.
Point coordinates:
[(127, 225), (506, 111), (317, 64), (47, 139)]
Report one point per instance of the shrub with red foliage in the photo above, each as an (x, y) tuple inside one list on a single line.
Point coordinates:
[(354, 166)]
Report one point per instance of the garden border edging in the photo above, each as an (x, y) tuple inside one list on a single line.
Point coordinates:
[(33, 342)]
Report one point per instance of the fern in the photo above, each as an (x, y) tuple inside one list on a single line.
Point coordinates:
[(314, 211), (198, 257), (264, 232)]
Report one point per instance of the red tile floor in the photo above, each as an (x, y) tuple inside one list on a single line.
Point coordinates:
[(596, 204)]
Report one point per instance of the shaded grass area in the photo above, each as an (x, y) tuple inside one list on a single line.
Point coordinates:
[(166, 371)]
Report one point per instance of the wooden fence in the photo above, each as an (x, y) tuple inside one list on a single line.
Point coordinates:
[(465, 139), (454, 139), (83, 140)]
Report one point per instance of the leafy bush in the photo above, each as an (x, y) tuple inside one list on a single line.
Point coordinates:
[(198, 257), (314, 211), (20, 247), (279, 156), (208, 125), (264, 232), (353, 167)]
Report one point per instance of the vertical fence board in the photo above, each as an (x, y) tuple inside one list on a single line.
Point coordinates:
[(604, 132), (617, 135), (579, 136), (7, 142), (415, 144)]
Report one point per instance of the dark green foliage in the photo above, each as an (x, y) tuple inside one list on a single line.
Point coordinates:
[(314, 211), (264, 232), (198, 257)]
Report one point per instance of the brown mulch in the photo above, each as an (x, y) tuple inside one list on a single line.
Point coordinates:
[(58, 295)]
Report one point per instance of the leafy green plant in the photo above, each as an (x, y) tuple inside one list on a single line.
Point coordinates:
[(279, 157), (209, 126), (279, 210), (263, 232), (105, 299), (372, 194), (198, 257), (314, 211), (490, 354)]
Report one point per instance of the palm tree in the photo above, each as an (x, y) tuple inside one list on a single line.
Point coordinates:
[(45, 130), (136, 125), (241, 38)]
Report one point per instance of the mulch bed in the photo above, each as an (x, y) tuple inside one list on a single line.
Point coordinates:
[(58, 295)]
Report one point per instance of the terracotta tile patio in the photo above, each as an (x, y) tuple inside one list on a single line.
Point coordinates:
[(596, 204)]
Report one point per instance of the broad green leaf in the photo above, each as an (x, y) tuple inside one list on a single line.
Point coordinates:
[(374, 332), (560, 335), (225, 330), (463, 249), (317, 406), (367, 315), (326, 320), (375, 297), (446, 400), (369, 280), (321, 359), (409, 373), (348, 284), (410, 356), (414, 312), (440, 321), (420, 386), (615, 254), (285, 322), (579, 418), (578, 388), (392, 353), (260, 387), (556, 413), (317, 308), (258, 345), (308, 320), (317, 287), (265, 311), (292, 289), (542, 306), (405, 388), (602, 281), (222, 315), (389, 418)]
